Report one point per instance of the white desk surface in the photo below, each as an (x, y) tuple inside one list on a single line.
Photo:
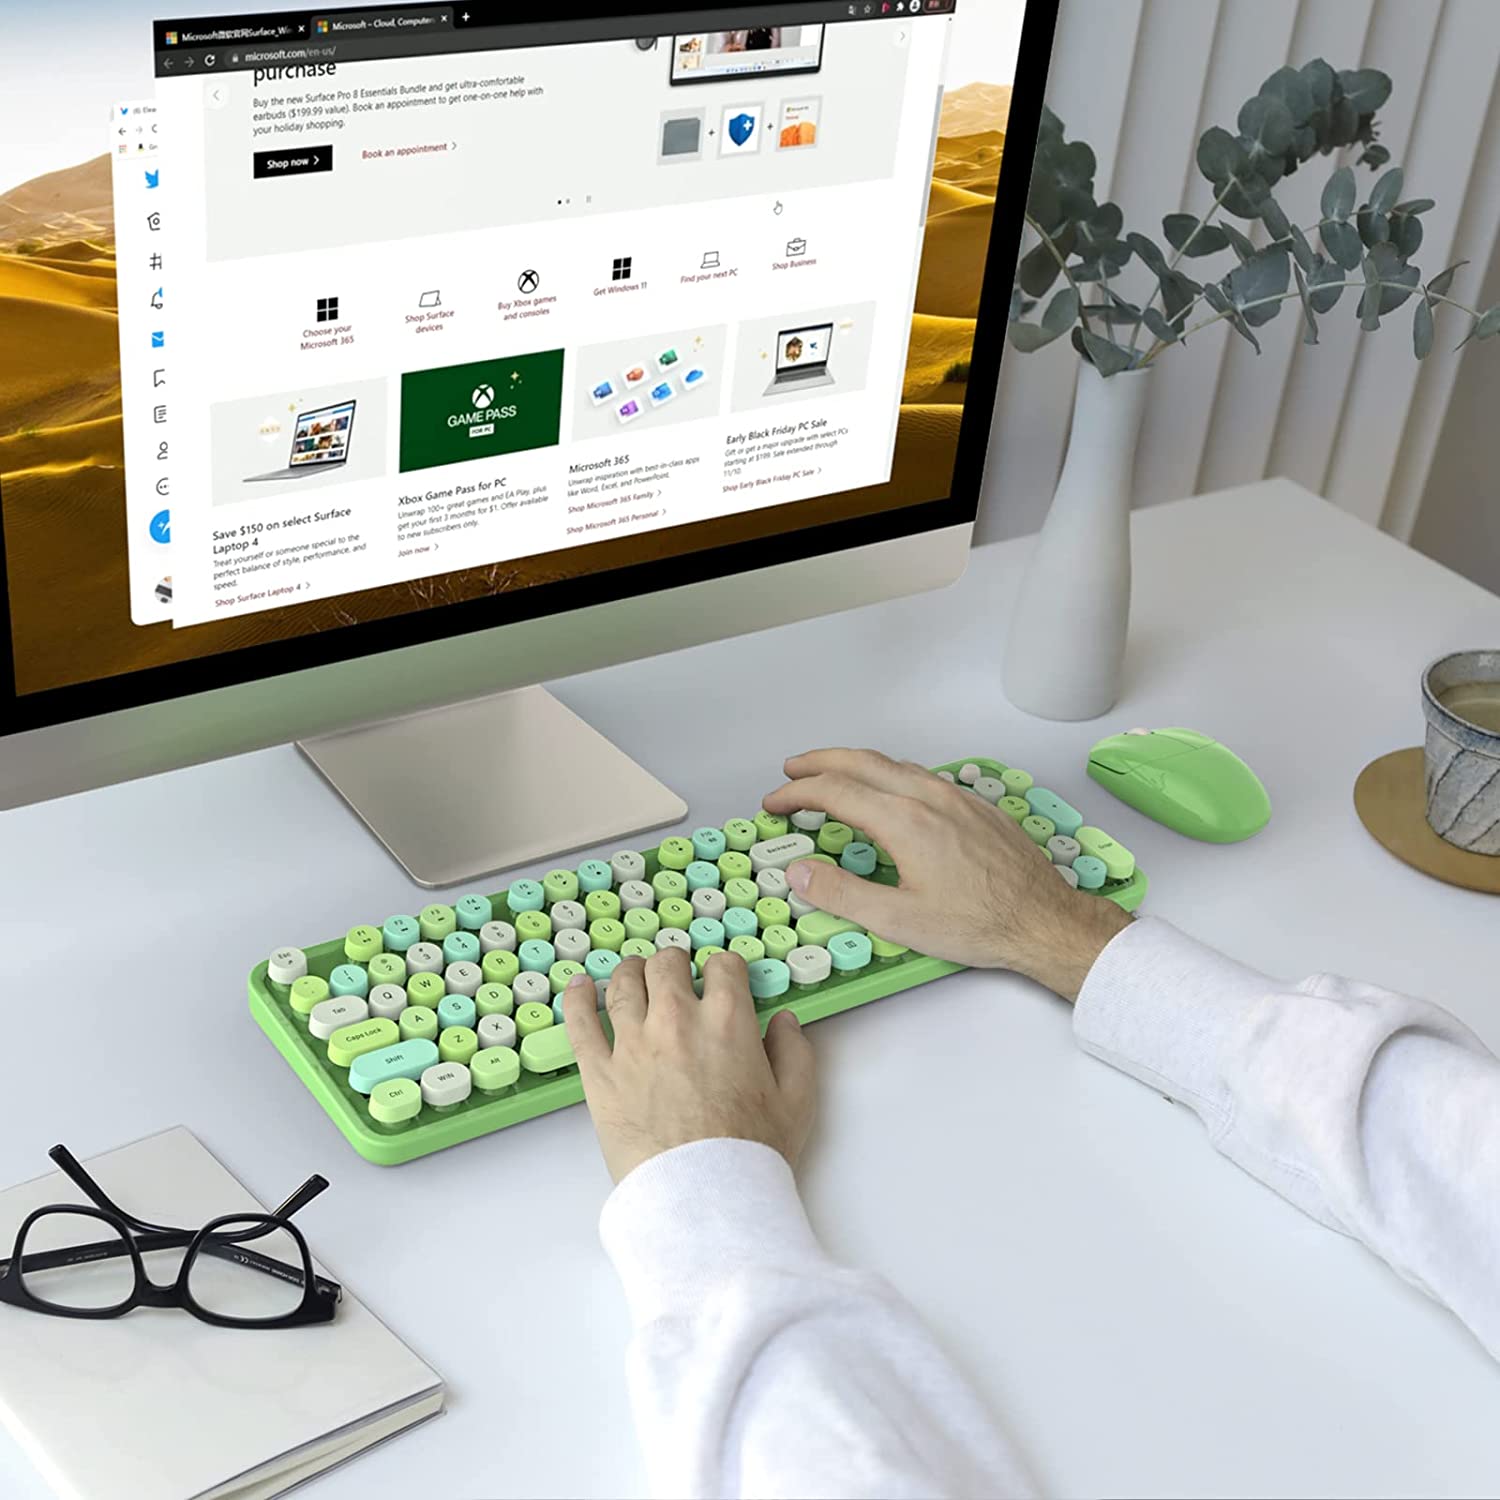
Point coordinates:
[(1143, 1316)]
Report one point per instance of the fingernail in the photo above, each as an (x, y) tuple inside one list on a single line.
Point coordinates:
[(799, 875), (578, 981)]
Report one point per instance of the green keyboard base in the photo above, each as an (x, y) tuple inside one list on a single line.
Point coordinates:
[(479, 1114)]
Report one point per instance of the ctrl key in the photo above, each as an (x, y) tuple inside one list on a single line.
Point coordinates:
[(395, 1101)]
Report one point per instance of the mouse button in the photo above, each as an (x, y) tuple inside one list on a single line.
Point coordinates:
[(1154, 777), (1188, 737)]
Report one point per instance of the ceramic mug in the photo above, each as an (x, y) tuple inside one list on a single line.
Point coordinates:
[(1461, 699)]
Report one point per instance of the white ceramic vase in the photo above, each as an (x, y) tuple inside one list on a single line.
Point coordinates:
[(1066, 642)]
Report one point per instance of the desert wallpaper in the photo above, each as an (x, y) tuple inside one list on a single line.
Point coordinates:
[(62, 483)]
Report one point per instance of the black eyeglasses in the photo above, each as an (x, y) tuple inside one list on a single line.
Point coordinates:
[(76, 1261)]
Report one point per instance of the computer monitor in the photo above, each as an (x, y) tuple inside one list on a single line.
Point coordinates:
[(556, 261)]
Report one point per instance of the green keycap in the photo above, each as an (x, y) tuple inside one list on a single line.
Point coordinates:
[(1017, 807), (735, 866), (395, 1100), (559, 885), (741, 891), (533, 924), (817, 927), (1037, 828), (308, 992), (1118, 860), (669, 883), (740, 835), (1017, 782), (705, 953), (772, 911), (675, 912), (426, 989), (637, 947), (822, 859), (494, 1000), (362, 943), (387, 968), (748, 948), (779, 941), (458, 1044), (884, 948), (547, 1050), (770, 826), (884, 859), (643, 923), (418, 1023), (608, 934), (834, 838), (437, 921), (349, 1042), (494, 1068), (499, 966), (533, 1016), (675, 853), (561, 973), (601, 906)]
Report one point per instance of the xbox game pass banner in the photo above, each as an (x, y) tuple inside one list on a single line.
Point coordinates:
[(480, 410)]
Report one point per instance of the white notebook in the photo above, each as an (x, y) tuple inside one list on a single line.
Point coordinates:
[(157, 1405)]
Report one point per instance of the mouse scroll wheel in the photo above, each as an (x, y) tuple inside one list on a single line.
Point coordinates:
[(1137, 731)]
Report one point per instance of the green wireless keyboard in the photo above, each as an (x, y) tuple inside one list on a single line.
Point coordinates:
[(432, 1029)]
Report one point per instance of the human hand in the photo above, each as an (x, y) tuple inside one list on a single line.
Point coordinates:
[(685, 1069), (974, 889)]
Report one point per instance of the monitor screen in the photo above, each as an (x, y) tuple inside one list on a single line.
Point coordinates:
[(559, 290)]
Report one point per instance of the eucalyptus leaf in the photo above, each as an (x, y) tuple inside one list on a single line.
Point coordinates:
[(1398, 279), (1051, 125), (1189, 234), (1243, 247), (1109, 358), (1107, 312), (1369, 299), (1077, 340), (1159, 326), (1340, 241), (1061, 312), (1029, 337), (1267, 125), (1310, 323), (1293, 90), (1178, 292), (1016, 299), (1325, 285), (1245, 196), (1416, 206), (1302, 252), (1339, 194), (1366, 89), (1220, 156), (1421, 329), (1406, 234), (1277, 224), (1374, 228), (1075, 166), (1262, 277), (1042, 200), (1320, 80), (1039, 267), (1374, 156), (1386, 191), (1149, 251), (1440, 283), (1489, 323)]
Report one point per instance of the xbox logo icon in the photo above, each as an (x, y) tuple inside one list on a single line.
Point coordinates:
[(483, 395)]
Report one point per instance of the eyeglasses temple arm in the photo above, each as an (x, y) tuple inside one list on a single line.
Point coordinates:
[(302, 1197)]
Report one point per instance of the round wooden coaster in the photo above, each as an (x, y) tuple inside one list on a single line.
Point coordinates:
[(1390, 797)]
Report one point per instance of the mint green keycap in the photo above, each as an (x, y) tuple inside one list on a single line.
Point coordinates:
[(601, 963), (349, 979), (537, 956), (1016, 782), (637, 947), (387, 968), (817, 928), (533, 1016), (739, 921), (705, 932), (473, 912), (850, 952), (748, 948), (308, 992), (674, 853), (457, 1044), (741, 891), (560, 885), (461, 948), (493, 1000), (499, 966), (779, 941), (1047, 804), (362, 943), (642, 922), (702, 876), (494, 1068), (407, 1059), (400, 933), (669, 883), (607, 933), (561, 973), (525, 895), (426, 989), (772, 911), (675, 912), (457, 1010), (547, 1050), (858, 859), (740, 835), (834, 838), (1038, 829), (735, 866), (349, 1042), (769, 826), (602, 906), (437, 922), (1016, 807), (418, 1023), (1118, 860), (533, 925), (594, 875), (709, 843), (769, 978), (395, 1101), (1091, 872)]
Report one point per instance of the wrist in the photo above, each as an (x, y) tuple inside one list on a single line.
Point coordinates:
[(1073, 944)]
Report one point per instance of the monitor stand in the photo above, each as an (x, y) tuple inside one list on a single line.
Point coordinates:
[(455, 793)]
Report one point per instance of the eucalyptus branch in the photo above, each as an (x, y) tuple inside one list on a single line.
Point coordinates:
[(1062, 261), (1135, 336)]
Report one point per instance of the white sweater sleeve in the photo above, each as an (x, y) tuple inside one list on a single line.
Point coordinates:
[(761, 1367), (1376, 1113)]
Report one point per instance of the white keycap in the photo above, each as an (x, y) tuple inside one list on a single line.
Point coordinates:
[(328, 1015), (1063, 849), (800, 906), (777, 854), (601, 988), (674, 937), (463, 978), (991, 788), (627, 865), (531, 986), (495, 935), (569, 916), (1067, 874), (496, 1031), (446, 1083), (772, 883), (969, 773), (286, 966), (571, 944), (949, 777), (387, 1001), (808, 821), (707, 902), (424, 958), (809, 965), (636, 895)]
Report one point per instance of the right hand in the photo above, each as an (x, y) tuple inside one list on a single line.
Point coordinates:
[(974, 889)]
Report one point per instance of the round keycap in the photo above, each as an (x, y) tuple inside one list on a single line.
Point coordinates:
[(1067, 874), (565, 916), (496, 1031), (387, 968), (669, 883), (602, 906), (601, 963), (969, 773), (638, 947), (400, 933), (531, 988), (426, 989), (704, 932), (809, 964), (494, 1068), (949, 777), (642, 922), (675, 912), (437, 922), (463, 978), (700, 875), (1017, 807), (884, 948), (769, 825), (286, 966), (779, 941), (500, 966), (1063, 849), (772, 912), (349, 979), (808, 820), (636, 895), (456, 1010), (709, 843), (533, 925), (858, 859), (461, 948), (849, 951), (834, 838), (448, 1082), (560, 885), (1090, 872), (537, 956), (362, 943), (525, 895), (772, 883), (627, 865), (457, 1044), (308, 992), (387, 1000), (709, 902), (740, 834), (735, 866), (739, 921), (1038, 829), (424, 958), (741, 891), (395, 1101), (418, 1023), (674, 853), (991, 788), (327, 1017), (748, 948), (883, 858), (494, 1000), (674, 937), (497, 935), (533, 1016), (594, 875), (769, 977), (473, 912), (571, 946), (561, 973), (1017, 782), (607, 933)]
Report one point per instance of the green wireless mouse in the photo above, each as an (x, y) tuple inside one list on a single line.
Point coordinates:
[(1184, 780)]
